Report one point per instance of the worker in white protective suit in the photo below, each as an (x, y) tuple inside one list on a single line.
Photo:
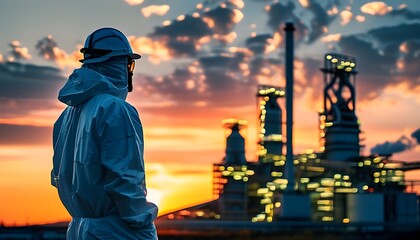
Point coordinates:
[(98, 165)]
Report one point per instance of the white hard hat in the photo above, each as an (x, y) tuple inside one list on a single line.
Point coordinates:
[(105, 43)]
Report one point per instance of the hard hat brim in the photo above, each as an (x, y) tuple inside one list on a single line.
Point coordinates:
[(108, 56), (134, 56)]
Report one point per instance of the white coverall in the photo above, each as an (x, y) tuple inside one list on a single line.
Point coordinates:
[(98, 165)]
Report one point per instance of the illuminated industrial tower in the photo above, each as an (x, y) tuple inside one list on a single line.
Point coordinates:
[(270, 140), (234, 174), (338, 122)]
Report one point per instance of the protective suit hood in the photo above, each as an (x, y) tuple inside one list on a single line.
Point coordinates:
[(85, 83)]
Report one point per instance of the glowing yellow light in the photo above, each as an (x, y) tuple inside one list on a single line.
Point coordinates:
[(221, 168), (327, 194), (337, 176), (261, 191), (324, 202), (329, 182), (312, 185), (346, 177), (230, 168), (277, 204), (327, 219), (325, 208), (365, 187), (360, 164), (329, 57), (245, 179), (280, 181), (267, 209), (334, 60), (346, 190), (346, 220), (304, 180)]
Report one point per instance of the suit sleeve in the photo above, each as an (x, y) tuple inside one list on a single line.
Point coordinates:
[(57, 147), (122, 158)]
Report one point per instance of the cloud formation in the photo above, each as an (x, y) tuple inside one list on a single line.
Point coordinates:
[(159, 10), (402, 144), (416, 135), (389, 148), (19, 80), (134, 2), (49, 50), (24, 135), (331, 38), (182, 37), (278, 14), (381, 47), (376, 8), (18, 52)]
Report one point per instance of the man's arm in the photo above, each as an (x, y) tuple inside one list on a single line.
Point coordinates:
[(122, 157)]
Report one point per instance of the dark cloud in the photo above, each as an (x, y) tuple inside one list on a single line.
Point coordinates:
[(45, 48), (181, 37), (389, 148), (402, 144), (279, 14), (408, 14), (21, 107), (416, 135), (320, 20), (192, 27), (395, 34), (18, 52), (19, 80), (259, 43), (222, 60), (223, 19), (218, 83), (377, 53), (24, 135)]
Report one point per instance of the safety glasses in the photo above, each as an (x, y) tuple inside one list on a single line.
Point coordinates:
[(131, 64), (92, 52)]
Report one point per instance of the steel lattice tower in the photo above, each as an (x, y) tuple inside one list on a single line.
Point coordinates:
[(338, 121)]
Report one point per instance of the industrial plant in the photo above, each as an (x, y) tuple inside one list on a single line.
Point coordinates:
[(334, 185)]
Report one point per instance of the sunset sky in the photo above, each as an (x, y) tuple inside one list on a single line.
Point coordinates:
[(202, 61)]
